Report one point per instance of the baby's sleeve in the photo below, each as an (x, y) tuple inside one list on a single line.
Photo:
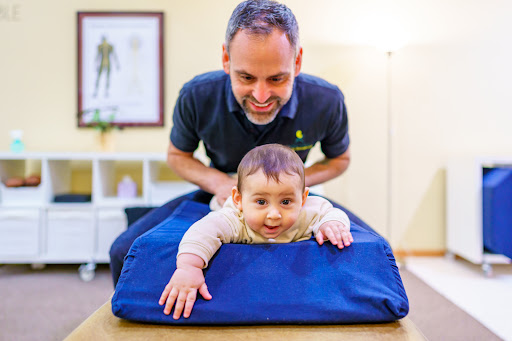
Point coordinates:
[(326, 212), (206, 236)]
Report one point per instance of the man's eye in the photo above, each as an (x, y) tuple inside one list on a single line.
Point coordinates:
[(286, 202), (246, 78), (276, 79), (261, 202)]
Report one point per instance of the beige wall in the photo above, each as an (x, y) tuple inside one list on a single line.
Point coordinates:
[(449, 89)]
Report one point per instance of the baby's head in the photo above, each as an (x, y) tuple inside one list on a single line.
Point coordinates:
[(271, 189)]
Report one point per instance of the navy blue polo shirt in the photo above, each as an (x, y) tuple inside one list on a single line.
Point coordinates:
[(207, 110)]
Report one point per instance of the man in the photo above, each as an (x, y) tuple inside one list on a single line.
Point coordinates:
[(260, 97)]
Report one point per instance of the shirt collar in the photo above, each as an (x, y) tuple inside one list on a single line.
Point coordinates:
[(289, 110)]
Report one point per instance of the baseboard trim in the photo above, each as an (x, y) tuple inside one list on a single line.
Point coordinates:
[(418, 253)]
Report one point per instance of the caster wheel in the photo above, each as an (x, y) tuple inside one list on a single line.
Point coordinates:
[(37, 266), (86, 272), (487, 269)]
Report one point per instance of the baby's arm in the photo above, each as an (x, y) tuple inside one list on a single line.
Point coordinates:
[(333, 224), (336, 232), (183, 286), (197, 247)]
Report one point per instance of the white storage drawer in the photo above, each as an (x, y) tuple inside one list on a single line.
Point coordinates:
[(111, 223), (19, 232), (17, 196), (70, 234)]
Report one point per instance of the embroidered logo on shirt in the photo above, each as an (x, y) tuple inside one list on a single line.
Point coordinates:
[(299, 143)]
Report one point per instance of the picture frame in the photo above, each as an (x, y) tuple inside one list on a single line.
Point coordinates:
[(120, 69)]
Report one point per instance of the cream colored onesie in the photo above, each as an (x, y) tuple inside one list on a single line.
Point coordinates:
[(228, 225)]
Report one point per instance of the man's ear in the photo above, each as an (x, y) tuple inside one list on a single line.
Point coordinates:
[(298, 62), (225, 58), (237, 197), (305, 195)]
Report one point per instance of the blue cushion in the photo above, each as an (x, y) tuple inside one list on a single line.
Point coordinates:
[(296, 283), (497, 210)]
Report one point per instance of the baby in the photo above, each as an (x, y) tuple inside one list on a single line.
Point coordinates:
[(268, 205)]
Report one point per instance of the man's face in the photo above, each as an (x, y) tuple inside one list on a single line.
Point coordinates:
[(262, 69)]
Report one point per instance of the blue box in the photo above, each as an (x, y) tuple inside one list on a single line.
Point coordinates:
[(497, 210)]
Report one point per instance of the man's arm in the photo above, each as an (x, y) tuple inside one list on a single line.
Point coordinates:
[(191, 169), (327, 169)]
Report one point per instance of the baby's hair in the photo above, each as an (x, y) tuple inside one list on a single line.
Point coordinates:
[(272, 159)]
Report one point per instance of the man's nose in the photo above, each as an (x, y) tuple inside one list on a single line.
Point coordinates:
[(261, 92)]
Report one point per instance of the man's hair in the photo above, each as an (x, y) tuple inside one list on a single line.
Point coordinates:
[(260, 17), (273, 160)]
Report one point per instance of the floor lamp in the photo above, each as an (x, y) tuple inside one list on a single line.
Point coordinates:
[(385, 32), (390, 135), (389, 147)]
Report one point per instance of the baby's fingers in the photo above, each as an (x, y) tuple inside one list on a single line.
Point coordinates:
[(334, 237), (189, 303), (180, 304), (170, 301), (165, 294), (320, 238), (347, 238), (203, 290)]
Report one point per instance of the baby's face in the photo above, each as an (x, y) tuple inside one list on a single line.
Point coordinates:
[(270, 208)]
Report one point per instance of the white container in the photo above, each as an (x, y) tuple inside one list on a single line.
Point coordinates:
[(110, 224), (127, 188), (21, 196), (70, 235), (19, 233)]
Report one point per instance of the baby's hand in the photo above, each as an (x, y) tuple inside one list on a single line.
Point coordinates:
[(336, 232), (182, 290)]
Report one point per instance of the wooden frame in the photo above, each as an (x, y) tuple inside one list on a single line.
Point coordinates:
[(120, 68)]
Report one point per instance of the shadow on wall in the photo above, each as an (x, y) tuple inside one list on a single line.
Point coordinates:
[(427, 225)]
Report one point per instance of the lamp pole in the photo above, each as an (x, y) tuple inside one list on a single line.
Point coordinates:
[(390, 133)]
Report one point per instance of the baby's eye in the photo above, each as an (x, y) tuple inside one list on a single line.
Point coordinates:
[(261, 202), (286, 202)]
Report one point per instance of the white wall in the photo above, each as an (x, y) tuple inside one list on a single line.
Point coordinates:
[(449, 89)]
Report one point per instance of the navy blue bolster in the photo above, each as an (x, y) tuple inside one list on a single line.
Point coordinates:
[(295, 283)]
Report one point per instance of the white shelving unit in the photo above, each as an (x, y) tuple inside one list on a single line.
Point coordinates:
[(36, 230), (464, 210)]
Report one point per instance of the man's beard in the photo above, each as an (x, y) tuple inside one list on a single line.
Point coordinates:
[(261, 118)]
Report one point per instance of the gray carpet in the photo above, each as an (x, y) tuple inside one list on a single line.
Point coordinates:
[(48, 304)]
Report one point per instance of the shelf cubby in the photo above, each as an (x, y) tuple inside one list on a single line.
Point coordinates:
[(164, 184), (109, 173), (69, 177), (21, 168)]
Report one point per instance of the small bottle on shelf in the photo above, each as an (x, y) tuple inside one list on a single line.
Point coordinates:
[(127, 188), (17, 146)]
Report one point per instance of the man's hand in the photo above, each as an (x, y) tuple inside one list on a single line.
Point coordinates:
[(223, 191), (191, 169), (182, 290), (337, 233)]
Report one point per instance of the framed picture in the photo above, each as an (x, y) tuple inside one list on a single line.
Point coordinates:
[(120, 68)]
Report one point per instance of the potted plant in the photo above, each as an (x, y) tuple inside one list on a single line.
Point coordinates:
[(94, 118)]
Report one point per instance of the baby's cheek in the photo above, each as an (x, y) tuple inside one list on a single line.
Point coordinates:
[(291, 219), (252, 222)]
